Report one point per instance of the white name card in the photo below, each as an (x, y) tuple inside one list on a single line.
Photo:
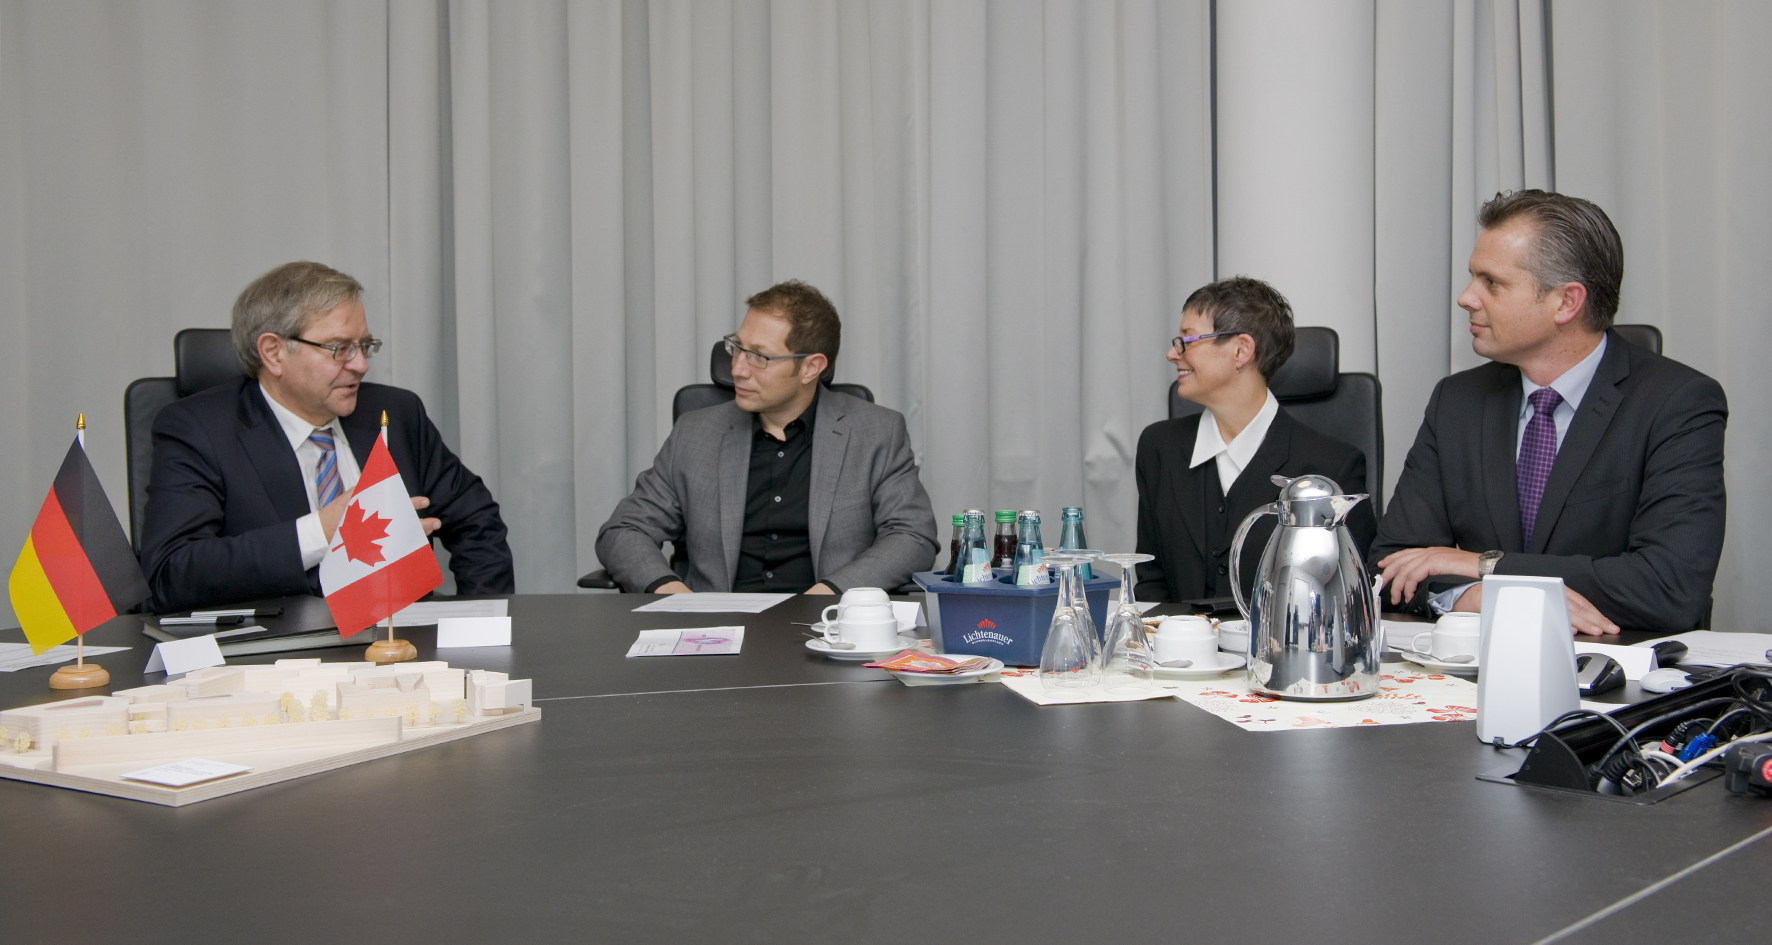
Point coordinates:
[(182, 773), (181, 656), (473, 631)]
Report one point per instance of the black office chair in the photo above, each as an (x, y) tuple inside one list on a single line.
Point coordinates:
[(1311, 385), (202, 358), (1643, 336), (695, 397)]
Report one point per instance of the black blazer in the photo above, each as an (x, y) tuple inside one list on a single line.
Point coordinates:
[(1191, 551), (1632, 515), (225, 491)]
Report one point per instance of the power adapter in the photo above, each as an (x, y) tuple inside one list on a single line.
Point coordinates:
[(1747, 769)]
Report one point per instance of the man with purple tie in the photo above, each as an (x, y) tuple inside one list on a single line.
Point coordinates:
[(1572, 454)]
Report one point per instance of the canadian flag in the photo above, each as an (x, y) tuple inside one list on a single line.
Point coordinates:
[(380, 560)]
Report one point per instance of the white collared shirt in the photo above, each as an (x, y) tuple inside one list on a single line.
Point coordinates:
[(308, 533), (1233, 456)]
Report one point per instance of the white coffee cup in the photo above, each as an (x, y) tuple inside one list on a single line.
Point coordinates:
[(859, 613), (1187, 637), (1455, 634), (864, 634)]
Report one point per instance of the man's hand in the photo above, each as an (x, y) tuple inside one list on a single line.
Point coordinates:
[(430, 524), (1584, 617), (332, 512), (673, 587), (1409, 567), (820, 588)]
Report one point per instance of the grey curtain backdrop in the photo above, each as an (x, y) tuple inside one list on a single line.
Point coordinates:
[(558, 207)]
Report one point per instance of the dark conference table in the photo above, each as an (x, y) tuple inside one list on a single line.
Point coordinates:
[(777, 796)]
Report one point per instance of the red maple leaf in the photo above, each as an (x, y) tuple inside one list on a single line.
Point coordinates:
[(361, 535)]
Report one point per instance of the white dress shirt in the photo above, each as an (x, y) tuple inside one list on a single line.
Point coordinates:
[(308, 533), (1233, 456), (1572, 386)]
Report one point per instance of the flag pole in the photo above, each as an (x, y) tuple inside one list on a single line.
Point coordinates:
[(390, 650), (79, 675)]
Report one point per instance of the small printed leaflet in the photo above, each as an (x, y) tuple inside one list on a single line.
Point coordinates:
[(188, 772), (701, 641)]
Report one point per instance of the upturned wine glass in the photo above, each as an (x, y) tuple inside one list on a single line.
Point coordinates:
[(1067, 661), (1128, 664)]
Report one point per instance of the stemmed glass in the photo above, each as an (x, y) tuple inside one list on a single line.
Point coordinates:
[(1080, 598), (1067, 662), (1127, 662)]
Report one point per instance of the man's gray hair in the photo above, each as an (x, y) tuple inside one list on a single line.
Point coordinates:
[(282, 302), (1572, 241)]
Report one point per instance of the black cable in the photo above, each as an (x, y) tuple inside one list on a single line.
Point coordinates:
[(1559, 720), (1667, 716)]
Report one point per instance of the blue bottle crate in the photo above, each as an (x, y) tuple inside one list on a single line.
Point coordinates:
[(998, 618)]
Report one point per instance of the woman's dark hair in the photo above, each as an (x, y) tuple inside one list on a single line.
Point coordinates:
[(1249, 307)]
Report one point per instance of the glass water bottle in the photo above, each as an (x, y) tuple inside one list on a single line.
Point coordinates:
[(954, 542), (1028, 549), (975, 554), (1071, 538)]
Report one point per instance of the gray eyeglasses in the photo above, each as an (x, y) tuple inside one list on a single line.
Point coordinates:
[(348, 350), (757, 360)]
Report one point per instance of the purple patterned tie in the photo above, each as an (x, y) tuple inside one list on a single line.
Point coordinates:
[(1538, 452)]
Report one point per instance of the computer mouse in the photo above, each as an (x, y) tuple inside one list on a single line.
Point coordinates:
[(1597, 673), (1665, 680), (1669, 652)]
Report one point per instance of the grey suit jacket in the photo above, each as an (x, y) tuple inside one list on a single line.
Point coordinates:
[(868, 519), (1632, 515)]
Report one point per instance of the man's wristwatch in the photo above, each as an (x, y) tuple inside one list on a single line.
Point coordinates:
[(1486, 563)]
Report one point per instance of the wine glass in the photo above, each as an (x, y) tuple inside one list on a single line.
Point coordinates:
[(1067, 661), (1080, 598), (1128, 664)]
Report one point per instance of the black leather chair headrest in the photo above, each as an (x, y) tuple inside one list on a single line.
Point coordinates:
[(203, 358), (1311, 371), (720, 365)]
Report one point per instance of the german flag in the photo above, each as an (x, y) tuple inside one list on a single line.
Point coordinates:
[(76, 570)]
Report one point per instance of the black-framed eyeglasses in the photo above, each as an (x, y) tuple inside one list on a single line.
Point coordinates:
[(1180, 342), (348, 350), (756, 360)]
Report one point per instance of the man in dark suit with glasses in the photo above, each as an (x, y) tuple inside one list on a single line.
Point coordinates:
[(251, 477)]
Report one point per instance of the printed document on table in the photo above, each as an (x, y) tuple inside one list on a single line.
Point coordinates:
[(702, 641), (427, 612), (1709, 648), (713, 603), (17, 656)]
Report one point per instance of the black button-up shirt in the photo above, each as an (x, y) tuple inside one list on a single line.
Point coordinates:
[(776, 553)]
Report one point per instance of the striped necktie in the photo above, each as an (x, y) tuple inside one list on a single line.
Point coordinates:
[(327, 484)]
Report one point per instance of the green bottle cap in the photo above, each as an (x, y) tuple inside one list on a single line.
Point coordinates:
[(1008, 517), (959, 519)]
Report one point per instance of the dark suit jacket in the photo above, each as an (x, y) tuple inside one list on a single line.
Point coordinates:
[(226, 489), (1632, 515), (1171, 496)]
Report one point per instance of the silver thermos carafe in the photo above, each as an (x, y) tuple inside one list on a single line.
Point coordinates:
[(1313, 625)]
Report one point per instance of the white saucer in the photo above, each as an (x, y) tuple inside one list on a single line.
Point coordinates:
[(948, 679), (861, 656), (1439, 666), (1226, 662)]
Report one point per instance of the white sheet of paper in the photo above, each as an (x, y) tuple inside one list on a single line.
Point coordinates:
[(473, 631), (190, 771), (427, 612), (17, 656), (909, 614), (702, 641), (1635, 660), (1710, 648), (182, 656), (713, 603)]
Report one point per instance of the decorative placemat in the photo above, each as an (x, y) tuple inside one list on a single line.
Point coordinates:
[(1026, 684), (1406, 694)]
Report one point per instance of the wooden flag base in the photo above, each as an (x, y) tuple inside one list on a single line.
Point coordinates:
[(84, 676), (391, 651)]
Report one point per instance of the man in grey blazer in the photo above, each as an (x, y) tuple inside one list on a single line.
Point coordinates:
[(1573, 454), (791, 487)]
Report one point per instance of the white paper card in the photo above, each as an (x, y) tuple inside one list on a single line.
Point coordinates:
[(427, 612), (183, 773), (909, 614), (17, 656), (1710, 648), (713, 603), (1635, 660), (702, 641), (473, 631), (182, 656)]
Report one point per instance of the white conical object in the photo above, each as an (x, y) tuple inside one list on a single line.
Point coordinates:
[(1527, 658)]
